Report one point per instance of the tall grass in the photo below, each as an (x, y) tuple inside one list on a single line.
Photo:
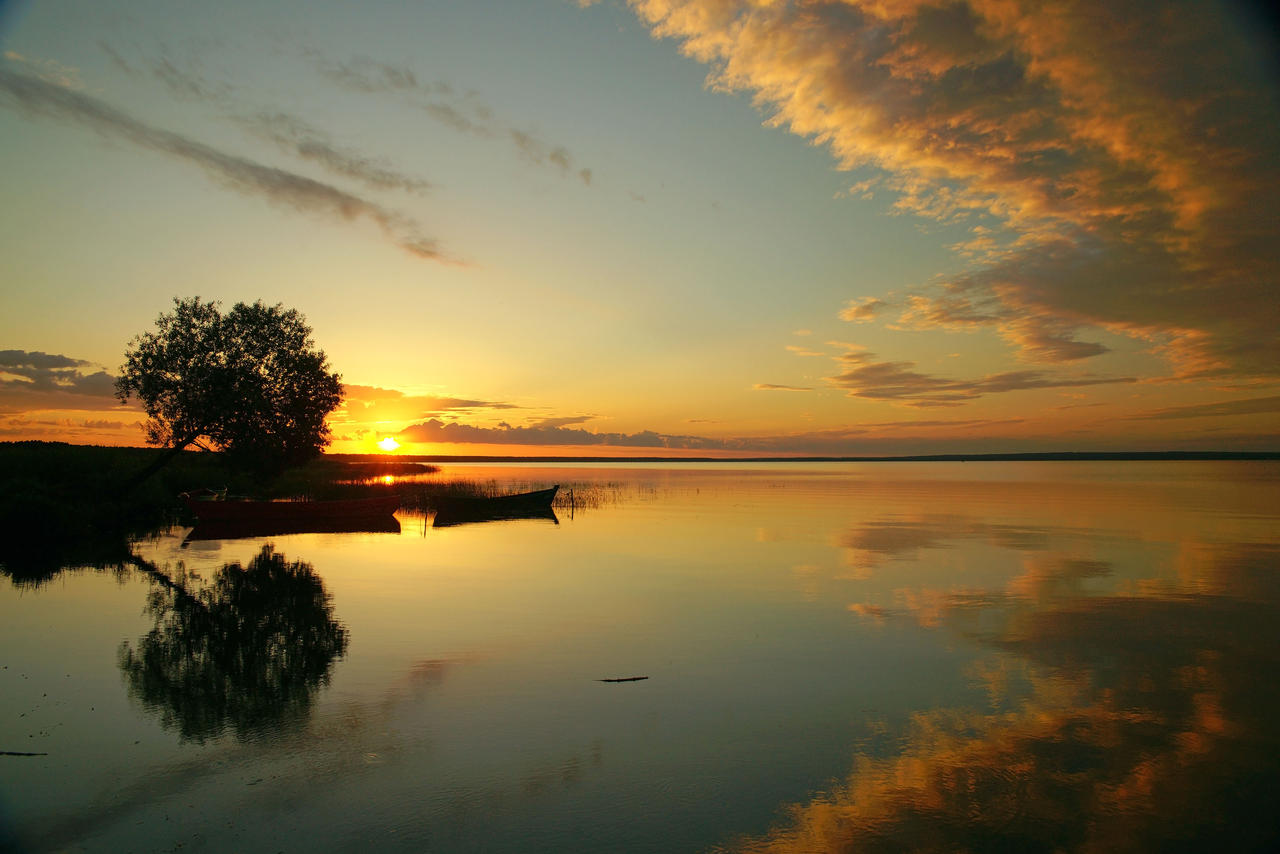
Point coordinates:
[(69, 505)]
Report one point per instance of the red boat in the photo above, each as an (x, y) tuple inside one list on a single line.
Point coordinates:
[(245, 510)]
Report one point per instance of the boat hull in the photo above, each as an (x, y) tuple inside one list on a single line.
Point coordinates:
[(524, 505)]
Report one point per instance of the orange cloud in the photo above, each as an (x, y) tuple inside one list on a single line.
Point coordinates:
[(1118, 161), (862, 311), (362, 403), (899, 381)]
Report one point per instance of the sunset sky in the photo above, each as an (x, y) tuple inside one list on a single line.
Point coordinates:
[(662, 227)]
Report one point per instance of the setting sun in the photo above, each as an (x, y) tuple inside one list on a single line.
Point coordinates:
[(388, 444)]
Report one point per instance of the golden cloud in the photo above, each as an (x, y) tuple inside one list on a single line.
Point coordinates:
[(1118, 161)]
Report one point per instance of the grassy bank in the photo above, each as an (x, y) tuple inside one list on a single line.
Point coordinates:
[(72, 505), (66, 504)]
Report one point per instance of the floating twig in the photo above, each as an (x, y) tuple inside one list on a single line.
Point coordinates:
[(18, 753), (625, 679)]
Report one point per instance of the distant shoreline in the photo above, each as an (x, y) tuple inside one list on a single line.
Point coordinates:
[(1054, 456), (1063, 456)]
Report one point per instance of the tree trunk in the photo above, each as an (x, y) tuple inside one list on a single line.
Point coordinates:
[(160, 462)]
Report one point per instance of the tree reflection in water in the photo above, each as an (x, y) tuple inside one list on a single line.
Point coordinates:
[(246, 653)]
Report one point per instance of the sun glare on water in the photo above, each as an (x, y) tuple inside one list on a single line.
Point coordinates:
[(388, 444)]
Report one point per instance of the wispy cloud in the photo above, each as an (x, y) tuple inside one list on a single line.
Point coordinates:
[(362, 403), (48, 70), (560, 432), (546, 433), (776, 387), (1249, 406), (863, 310), (1039, 336), (94, 430), (459, 111), (293, 135), (287, 189), (1118, 161), (289, 133), (901, 382), (803, 351)]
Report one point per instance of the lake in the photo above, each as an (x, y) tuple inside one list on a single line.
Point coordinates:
[(873, 656)]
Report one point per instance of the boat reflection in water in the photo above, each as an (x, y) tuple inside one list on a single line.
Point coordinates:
[(450, 518), (251, 528), (210, 507), (245, 652)]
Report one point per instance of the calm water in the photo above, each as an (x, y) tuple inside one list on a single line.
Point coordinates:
[(994, 656)]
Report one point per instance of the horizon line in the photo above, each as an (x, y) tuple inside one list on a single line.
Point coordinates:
[(997, 456), (1031, 456)]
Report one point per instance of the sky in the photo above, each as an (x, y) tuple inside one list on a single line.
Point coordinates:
[(662, 227)]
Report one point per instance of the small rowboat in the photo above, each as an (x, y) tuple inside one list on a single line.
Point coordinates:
[(458, 510), (279, 512)]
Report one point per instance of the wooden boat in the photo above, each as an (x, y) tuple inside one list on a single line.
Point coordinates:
[(459, 510), (279, 512)]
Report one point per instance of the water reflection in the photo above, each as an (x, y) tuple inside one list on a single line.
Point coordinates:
[(453, 516), (246, 652), (917, 657), (31, 565), (880, 540), (252, 529), (1129, 722)]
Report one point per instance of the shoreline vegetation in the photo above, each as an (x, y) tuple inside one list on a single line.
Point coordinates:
[(64, 505), (69, 505)]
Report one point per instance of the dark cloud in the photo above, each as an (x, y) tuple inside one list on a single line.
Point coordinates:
[(563, 421), (36, 381), (87, 429), (884, 438), (1117, 162), (281, 187), (1250, 406), (435, 430), (899, 381), (36, 371)]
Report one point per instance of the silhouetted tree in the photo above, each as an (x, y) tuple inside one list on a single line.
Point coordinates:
[(249, 383), (247, 652)]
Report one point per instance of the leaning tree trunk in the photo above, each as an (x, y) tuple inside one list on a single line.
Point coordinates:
[(158, 463)]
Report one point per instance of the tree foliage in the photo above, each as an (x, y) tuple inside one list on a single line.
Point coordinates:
[(249, 383)]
